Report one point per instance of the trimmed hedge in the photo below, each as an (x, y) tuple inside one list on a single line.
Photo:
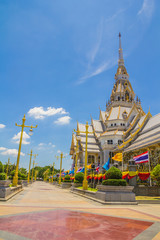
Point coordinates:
[(79, 177), (2, 176), (67, 178), (1, 167), (155, 174), (115, 182), (113, 173)]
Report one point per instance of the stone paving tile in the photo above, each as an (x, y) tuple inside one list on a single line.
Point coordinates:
[(58, 209), (61, 224)]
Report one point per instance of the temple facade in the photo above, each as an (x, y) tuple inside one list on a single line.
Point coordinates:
[(122, 127)]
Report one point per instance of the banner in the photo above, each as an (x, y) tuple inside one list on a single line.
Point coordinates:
[(118, 157)]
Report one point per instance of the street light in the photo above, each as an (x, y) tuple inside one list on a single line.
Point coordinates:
[(30, 132), (15, 179), (77, 152), (85, 182), (61, 157)]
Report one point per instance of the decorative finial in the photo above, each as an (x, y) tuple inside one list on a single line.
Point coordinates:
[(120, 61)]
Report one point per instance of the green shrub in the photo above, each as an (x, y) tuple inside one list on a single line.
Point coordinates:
[(75, 181), (23, 176), (1, 167), (79, 177), (12, 175), (67, 178), (113, 173), (115, 182), (2, 176), (155, 174)]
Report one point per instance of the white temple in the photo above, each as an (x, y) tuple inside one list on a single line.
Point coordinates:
[(123, 126)]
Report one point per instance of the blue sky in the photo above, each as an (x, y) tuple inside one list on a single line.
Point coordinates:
[(57, 66)]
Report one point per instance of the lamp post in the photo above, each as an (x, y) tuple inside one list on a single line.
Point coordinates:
[(29, 165), (33, 166), (7, 167), (15, 179), (53, 171), (85, 182), (35, 176), (77, 147), (61, 157)]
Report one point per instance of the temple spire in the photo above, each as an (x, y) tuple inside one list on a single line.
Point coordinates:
[(120, 60)]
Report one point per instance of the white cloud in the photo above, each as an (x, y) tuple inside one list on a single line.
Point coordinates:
[(63, 120), (103, 67), (10, 152), (2, 148), (2, 126), (41, 113), (51, 145), (42, 146), (59, 151), (25, 138), (147, 9)]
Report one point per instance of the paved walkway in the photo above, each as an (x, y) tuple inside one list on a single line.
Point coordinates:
[(43, 211)]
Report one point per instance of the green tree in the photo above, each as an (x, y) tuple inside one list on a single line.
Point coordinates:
[(155, 174)]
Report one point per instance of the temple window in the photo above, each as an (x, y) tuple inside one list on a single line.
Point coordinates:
[(111, 125), (115, 124), (118, 98), (110, 141), (91, 159)]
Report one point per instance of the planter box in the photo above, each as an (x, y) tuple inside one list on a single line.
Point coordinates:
[(65, 184), (142, 190), (115, 193), (76, 184), (5, 183), (7, 192)]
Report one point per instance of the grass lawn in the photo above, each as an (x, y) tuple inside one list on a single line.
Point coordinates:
[(89, 189), (147, 198)]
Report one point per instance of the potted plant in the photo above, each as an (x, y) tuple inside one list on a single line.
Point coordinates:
[(79, 177), (114, 188), (66, 182)]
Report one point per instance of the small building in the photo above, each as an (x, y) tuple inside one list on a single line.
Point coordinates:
[(123, 126)]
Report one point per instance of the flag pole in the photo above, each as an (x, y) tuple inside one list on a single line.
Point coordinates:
[(122, 161), (150, 183)]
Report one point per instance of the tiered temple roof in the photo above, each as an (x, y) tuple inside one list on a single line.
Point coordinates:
[(123, 120)]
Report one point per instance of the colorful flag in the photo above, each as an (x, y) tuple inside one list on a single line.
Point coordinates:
[(82, 170), (118, 157), (89, 166), (106, 165), (97, 169), (142, 158), (79, 169)]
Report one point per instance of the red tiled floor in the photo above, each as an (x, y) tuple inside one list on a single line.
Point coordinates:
[(69, 225)]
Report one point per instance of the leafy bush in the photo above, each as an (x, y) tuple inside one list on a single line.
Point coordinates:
[(155, 174), (23, 176), (115, 182), (55, 179), (79, 177), (67, 178), (75, 181), (1, 167), (113, 173), (12, 175), (2, 176)]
